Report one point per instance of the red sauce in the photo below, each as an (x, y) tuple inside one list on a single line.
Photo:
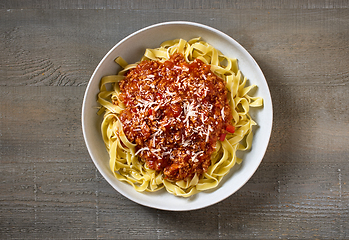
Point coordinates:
[(175, 113)]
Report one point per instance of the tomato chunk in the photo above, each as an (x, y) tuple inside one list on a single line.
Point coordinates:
[(150, 111), (222, 137), (230, 128)]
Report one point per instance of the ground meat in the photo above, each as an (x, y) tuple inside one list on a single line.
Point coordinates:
[(175, 113)]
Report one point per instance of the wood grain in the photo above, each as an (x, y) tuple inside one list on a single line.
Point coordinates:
[(49, 185), (185, 4)]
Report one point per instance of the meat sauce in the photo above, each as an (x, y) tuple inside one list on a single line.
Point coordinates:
[(175, 113)]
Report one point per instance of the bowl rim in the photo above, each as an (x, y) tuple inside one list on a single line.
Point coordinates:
[(187, 23)]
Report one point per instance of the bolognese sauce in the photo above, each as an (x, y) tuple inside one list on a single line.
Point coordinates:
[(175, 113)]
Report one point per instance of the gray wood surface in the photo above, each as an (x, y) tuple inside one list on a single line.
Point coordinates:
[(50, 187)]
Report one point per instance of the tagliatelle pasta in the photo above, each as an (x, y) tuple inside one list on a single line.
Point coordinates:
[(154, 171)]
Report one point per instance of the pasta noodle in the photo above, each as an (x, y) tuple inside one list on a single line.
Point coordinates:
[(124, 159)]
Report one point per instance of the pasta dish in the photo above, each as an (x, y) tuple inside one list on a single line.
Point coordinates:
[(176, 118)]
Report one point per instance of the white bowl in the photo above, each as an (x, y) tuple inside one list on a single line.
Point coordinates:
[(131, 49)]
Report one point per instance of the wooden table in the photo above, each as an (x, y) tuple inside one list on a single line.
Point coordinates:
[(49, 185)]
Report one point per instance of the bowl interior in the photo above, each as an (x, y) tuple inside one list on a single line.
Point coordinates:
[(131, 49)]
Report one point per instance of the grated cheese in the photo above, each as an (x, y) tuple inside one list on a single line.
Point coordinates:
[(209, 129), (194, 157), (141, 150), (222, 112)]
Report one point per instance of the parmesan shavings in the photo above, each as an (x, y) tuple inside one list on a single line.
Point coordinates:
[(222, 112), (145, 104), (209, 129), (170, 93), (194, 157), (189, 112), (202, 118), (185, 143), (158, 132), (141, 150)]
